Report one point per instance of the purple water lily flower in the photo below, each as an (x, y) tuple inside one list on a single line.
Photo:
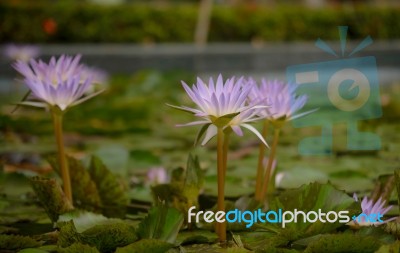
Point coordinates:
[(21, 52), (283, 104), (99, 76), (222, 105), (368, 207), (62, 82)]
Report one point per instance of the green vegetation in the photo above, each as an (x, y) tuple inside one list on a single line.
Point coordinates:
[(63, 22)]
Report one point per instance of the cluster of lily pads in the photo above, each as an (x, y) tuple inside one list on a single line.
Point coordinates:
[(90, 211)]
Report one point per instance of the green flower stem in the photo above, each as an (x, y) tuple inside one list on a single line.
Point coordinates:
[(271, 158), (221, 227), (57, 122), (260, 166)]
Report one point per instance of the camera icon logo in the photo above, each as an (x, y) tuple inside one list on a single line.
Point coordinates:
[(346, 91), (360, 81)]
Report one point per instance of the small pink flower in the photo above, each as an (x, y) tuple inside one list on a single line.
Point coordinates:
[(157, 175)]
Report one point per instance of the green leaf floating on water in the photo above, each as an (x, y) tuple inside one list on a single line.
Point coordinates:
[(237, 250), (255, 239), (84, 220), (196, 236), (146, 245), (313, 197), (389, 248), (378, 232), (106, 238), (162, 223), (33, 250), (270, 249), (78, 248), (51, 196), (17, 242), (84, 190), (112, 193), (344, 243), (267, 241)]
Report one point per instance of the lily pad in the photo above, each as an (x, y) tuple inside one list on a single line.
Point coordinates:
[(16, 242), (196, 237), (106, 238), (32, 250), (84, 220), (344, 242), (314, 197), (390, 248), (115, 157), (146, 245), (298, 176), (78, 248)]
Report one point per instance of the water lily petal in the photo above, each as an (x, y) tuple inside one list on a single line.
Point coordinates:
[(210, 133), (251, 128)]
